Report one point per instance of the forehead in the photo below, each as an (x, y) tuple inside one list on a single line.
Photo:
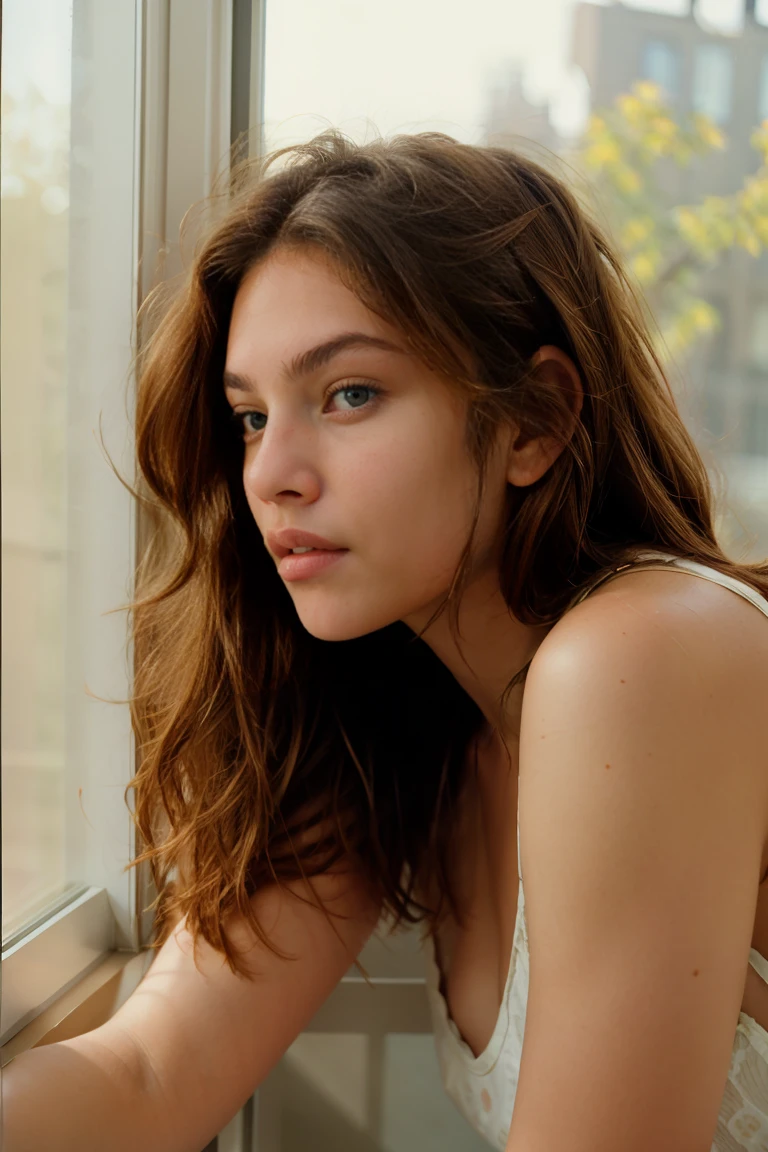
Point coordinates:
[(295, 298), (292, 301), (293, 288)]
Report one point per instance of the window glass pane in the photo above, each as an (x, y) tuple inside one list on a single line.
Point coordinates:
[(712, 81), (68, 304), (34, 253), (756, 422), (762, 98), (758, 345), (533, 77), (661, 65)]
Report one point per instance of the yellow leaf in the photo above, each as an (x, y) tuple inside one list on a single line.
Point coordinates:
[(709, 133), (647, 91), (604, 152), (636, 231), (627, 180), (644, 267), (704, 316)]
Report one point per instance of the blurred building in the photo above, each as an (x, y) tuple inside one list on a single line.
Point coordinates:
[(725, 77), (723, 393), (513, 121)]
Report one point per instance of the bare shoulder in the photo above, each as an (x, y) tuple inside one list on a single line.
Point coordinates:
[(675, 593), (713, 631), (643, 817), (666, 633)]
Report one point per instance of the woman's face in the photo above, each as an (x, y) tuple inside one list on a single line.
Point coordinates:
[(379, 468)]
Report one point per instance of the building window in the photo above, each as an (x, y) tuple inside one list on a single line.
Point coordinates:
[(712, 81), (762, 95), (755, 424), (661, 65), (758, 344)]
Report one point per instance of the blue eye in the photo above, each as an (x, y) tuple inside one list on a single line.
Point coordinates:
[(237, 421), (355, 388), (360, 395)]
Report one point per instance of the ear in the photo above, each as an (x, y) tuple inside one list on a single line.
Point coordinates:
[(528, 459)]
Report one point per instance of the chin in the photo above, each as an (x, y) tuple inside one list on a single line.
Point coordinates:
[(341, 622)]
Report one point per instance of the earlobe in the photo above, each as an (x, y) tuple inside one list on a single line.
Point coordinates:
[(527, 463)]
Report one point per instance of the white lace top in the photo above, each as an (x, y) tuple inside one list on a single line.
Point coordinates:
[(483, 1088)]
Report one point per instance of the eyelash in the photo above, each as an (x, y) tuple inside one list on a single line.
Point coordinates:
[(237, 418)]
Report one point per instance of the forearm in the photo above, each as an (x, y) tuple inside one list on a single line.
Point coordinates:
[(77, 1096)]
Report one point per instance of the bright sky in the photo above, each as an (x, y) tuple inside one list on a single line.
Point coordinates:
[(409, 65)]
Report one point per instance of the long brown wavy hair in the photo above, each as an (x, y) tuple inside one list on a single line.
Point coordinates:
[(264, 754)]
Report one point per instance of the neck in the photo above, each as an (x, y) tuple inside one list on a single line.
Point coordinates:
[(492, 646)]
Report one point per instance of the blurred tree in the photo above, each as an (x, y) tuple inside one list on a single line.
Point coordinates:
[(669, 247)]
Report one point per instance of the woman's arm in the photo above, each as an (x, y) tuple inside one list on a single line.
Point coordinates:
[(82, 1093), (643, 816), (175, 1063)]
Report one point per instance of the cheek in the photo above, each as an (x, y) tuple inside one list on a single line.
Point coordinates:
[(416, 501)]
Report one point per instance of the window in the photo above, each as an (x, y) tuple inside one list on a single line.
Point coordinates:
[(762, 93), (755, 423), (712, 81), (36, 80), (68, 271), (456, 76), (661, 65), (126, 123), (758, 345)]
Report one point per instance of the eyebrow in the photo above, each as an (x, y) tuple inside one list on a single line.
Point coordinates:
[(313, 358)]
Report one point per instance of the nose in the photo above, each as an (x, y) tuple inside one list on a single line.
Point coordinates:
[(281, 467)]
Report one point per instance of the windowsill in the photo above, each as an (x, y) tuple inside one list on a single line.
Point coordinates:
[(86, 1005), (400, 1004)]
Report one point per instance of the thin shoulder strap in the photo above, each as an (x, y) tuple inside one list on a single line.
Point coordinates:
[(759, 963), (519, 861), (740, 587), (645, 558), (651, 560)]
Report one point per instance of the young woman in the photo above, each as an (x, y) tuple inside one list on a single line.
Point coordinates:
[(434, 603)]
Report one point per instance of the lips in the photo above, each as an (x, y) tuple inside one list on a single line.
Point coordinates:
[(307, 565), (282, 542)]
